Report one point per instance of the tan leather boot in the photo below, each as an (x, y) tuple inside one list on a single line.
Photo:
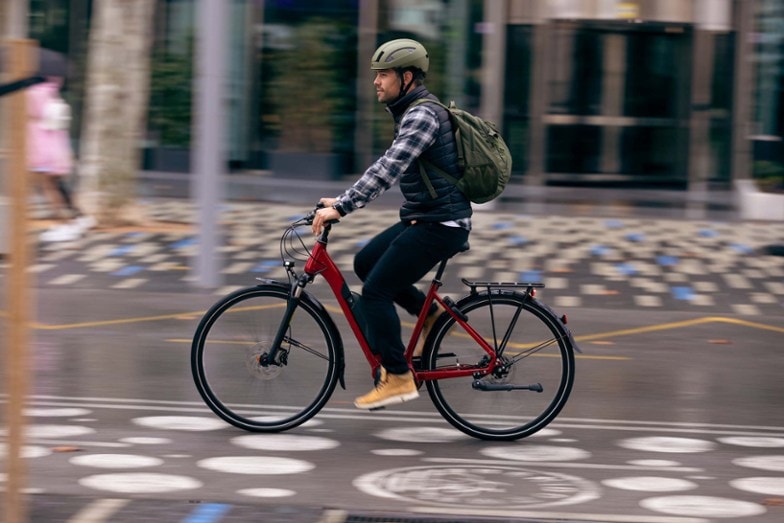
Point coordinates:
[(392, 388)]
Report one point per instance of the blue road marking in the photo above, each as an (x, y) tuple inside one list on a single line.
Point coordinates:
[(667, 261), (635, 237), (207, 513), (129, 270), (683, 293), (518, 240), (122, 250), (186, 242), (531, 276), (265, 265), (740, 248)]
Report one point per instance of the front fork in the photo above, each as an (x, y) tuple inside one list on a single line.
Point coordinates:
[(277, 355)]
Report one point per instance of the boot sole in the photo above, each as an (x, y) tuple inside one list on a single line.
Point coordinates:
[(402, 398)]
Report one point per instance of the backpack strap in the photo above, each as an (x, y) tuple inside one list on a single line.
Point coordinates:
[(424, 165)]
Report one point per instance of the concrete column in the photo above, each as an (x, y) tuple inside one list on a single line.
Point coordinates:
[(209, 155), (699, 124), (613, 81), (363, 129), (741, 104), (540, 76), (493, 59)]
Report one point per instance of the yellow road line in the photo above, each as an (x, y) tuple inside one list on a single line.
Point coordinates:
[(677, 325), (585, 337)]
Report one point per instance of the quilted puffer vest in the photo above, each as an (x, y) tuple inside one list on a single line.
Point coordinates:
[(419, 204)]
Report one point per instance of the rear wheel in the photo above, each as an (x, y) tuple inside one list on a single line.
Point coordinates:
[(529, 386), (232, 337)]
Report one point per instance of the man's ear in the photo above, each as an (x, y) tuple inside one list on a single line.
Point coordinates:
[(407, 77)]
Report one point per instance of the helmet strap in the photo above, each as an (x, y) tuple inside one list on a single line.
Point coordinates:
[(404, 87)]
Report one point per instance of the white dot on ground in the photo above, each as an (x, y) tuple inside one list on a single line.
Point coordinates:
[(266, 492), (772, 463), (255, 465), (654, 463), (115, 461), (702, 506), (284, 442), (55, 412), (769, 486), (547, 433), (27, 451), (396, 452), (139, 482), (189, 423), (753, 441), (54, 431), (421, 435), (536, 453), (650, 484), (668, 444), (146, 440)]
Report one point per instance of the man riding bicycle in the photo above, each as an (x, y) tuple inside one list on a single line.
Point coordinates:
[(431, 227)]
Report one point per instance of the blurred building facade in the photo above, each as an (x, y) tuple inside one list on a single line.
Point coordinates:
[(646, 93)]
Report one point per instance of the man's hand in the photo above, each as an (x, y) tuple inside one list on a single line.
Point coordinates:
[(324, 215)]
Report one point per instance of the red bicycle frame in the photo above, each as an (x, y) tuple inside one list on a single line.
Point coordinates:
[(321, 263)]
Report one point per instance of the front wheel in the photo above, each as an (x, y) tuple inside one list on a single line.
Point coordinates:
[(235, 334), (529, 386)]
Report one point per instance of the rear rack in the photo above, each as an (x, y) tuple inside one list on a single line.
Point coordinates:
[(501, 284)]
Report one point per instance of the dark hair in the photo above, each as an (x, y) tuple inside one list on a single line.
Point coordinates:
[(418, 75)]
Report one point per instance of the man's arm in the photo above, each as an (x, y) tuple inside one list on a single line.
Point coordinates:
[(417, 132)]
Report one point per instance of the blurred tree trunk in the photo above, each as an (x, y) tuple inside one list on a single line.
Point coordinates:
[(117, 89)]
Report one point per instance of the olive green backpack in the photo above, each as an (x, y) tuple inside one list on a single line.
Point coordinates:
[(483, 156)]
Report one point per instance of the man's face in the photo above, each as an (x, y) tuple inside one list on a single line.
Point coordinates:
[(387, 85)]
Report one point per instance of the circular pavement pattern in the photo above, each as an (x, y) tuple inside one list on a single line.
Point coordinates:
[(115, 461), (140, 483), (421, 435), (256, 465), (284, 442), (41, 412), (772, 463), (753, 441), (266, 492), (650, 484), (188, 423), (536, 453), (759, 485), (667, 444), (703, 506), (474, 486)]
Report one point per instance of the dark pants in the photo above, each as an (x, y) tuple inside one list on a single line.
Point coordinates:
[(389, 265)]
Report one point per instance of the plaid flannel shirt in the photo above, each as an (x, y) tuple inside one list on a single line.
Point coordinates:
[(418, 131)]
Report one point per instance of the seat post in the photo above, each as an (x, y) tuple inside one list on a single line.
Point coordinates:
[(441, 268)]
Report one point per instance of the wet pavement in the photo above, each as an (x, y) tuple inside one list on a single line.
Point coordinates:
[(675, 417)]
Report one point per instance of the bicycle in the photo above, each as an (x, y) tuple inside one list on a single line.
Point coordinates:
[(267, 358)]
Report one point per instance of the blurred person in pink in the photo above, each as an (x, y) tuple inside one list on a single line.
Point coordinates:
[(50, 156)]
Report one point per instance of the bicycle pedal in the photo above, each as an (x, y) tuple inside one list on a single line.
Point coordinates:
[(377, 408)]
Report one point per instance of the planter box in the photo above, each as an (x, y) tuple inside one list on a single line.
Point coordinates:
[(167, 159), (306, 166), (754, 204)]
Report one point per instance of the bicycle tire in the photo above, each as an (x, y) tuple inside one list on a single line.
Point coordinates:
[(496, 414), (236, 331)]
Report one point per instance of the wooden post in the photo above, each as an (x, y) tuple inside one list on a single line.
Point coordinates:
[(20, 54)]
